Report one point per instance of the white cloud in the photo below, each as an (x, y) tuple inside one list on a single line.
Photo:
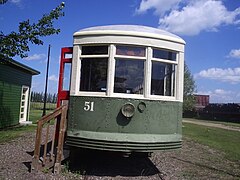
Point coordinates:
[(18, 3), (35, 57), (53, 78), (238, 95), (234, 53), (222, 92), (15, 1), (160, 6), (226, 75), (218, 92), (191, 17)]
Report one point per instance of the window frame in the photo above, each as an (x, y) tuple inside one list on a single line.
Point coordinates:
[(134, 58), (173, 82), (100, 56), (174, 78), (148, 59)]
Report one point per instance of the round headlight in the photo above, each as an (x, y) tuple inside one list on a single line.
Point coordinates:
[(128, 110)]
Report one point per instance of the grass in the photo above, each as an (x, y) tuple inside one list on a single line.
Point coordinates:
[(39, 106), (12, 133), (36, 110), (216, 122), (36, 114), (228, 123), (220, 139)]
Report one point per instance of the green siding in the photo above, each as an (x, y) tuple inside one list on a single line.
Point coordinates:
[(15, 76), (10, 96), (12, 78)]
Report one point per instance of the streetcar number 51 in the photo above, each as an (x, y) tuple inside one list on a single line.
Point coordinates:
[(88, 106)]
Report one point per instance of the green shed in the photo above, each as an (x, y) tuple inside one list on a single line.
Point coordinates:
[(15, 86)]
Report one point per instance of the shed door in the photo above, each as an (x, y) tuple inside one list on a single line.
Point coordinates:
[(24, 103)]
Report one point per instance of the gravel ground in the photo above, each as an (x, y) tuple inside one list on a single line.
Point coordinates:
[(193, 161)]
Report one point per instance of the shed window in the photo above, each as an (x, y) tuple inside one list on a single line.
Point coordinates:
[(129, 76)]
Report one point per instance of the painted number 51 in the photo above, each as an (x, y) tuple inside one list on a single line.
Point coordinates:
[(88, 106)]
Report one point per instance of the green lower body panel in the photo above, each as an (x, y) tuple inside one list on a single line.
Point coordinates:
[(124, 142), (98, 123)]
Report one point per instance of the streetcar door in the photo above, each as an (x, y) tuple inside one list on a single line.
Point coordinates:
[(64, 75)]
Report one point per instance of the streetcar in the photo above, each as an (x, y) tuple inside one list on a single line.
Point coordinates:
[(126, 89)]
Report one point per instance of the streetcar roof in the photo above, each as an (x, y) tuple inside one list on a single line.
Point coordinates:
[(130, 30)]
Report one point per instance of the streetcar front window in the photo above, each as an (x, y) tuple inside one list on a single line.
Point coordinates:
[(163, 77), (94, 50), (130, 51), (129, 71), (93, 74), (164, 54), (129, 76)]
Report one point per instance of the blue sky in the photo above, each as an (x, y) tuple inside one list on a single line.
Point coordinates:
[(210, 28)]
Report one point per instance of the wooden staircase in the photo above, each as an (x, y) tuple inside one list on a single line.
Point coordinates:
[(48, 150)]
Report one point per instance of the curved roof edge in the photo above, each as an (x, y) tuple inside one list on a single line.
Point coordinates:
[(131, 30)]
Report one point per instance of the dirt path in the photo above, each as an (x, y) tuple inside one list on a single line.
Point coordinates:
[(217, 125), (193, 161)]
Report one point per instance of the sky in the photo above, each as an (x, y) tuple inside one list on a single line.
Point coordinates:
[(211, 29)]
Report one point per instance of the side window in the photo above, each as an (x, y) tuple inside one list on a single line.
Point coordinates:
[(94, 65)]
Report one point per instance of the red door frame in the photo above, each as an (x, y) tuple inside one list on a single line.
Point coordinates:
[(63, 94)]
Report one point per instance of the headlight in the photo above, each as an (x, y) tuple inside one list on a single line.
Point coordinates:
[(128, 110)]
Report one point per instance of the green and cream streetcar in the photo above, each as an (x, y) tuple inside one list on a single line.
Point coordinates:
[(126, 89)]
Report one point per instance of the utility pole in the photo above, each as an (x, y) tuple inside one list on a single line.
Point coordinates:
[(46, 83)]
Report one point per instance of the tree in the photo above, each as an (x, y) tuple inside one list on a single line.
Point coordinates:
[(189, 88), (3, 1), (17, 43)]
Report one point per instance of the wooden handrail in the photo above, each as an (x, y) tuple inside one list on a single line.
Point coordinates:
[(42, 159), (50, 116)]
